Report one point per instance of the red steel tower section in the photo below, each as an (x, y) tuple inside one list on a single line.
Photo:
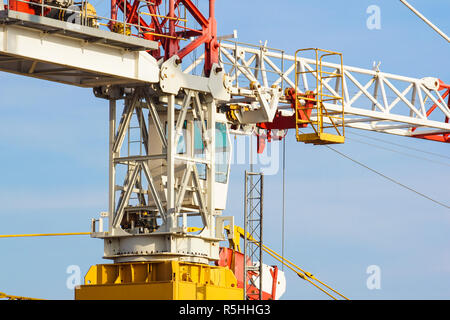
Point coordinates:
[(444, 136), (167, 23)]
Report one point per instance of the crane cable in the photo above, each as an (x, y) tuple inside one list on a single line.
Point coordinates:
[(301, 275), (399, 152), (281, 258), (388, 178), (11, 297), (305, 275), (421, 16), (399, 145), (300, 272)]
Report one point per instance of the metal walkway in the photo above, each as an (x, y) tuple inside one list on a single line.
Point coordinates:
[(73, 54)]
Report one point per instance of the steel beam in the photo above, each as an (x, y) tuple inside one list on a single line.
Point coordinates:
[(110, 62)]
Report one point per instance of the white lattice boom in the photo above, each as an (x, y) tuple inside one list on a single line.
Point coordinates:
[(373, 100)]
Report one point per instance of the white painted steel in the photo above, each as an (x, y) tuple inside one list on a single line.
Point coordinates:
[(267, 281), (254, 76), (64, 59), (373, 100), (421, 16)]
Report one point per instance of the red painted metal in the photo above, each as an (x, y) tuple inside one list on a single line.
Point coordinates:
[(24, 7), (234, 260), (442, 136), (443, 86), (274, 273), (281, 122), (166, 28), (260, 143)]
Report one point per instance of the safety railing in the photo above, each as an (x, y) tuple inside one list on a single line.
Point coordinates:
[(316, 101), (83, 13), (152, 32), (251, 68)]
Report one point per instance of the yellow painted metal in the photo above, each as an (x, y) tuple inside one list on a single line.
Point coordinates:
[(164, 280), (165, 17), (235, 241), (320, 138), (194, 229), (231, 113), (325, 120), (88, 11), (118, 27), (44, 235), (167, 280), (305, 275), (164, 36), (11, 297)]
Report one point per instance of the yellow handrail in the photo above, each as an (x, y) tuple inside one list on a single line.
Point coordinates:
[(166, 17), (320, 136)]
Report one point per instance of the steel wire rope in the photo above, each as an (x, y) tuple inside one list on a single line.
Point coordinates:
[(399, 145), (399, 152), (389, 178)]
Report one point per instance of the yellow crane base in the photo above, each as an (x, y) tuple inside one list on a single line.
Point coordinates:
[(320, 138), (161, 280)]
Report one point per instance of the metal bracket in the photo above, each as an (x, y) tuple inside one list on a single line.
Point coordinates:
[(431, 83), (220, 223), (172, 79), (268, 104)]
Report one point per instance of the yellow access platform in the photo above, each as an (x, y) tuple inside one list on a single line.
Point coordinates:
[(328, 125)]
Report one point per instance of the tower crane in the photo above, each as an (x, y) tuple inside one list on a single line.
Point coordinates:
[(169, 173)]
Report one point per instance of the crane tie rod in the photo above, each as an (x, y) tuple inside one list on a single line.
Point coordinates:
[(11, 297), (388, 178), (421, 16), (305, 275), (44, 235), (300, 272)]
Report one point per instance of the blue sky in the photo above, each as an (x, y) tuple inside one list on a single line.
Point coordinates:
[(340, 218)]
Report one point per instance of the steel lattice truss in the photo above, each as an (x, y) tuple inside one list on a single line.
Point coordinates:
[(373, 100), (253, 226), (134, 164)]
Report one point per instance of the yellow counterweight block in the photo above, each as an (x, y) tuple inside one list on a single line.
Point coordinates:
[(159, 280)]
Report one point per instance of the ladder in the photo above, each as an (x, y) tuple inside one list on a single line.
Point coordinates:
[(310, 107)]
